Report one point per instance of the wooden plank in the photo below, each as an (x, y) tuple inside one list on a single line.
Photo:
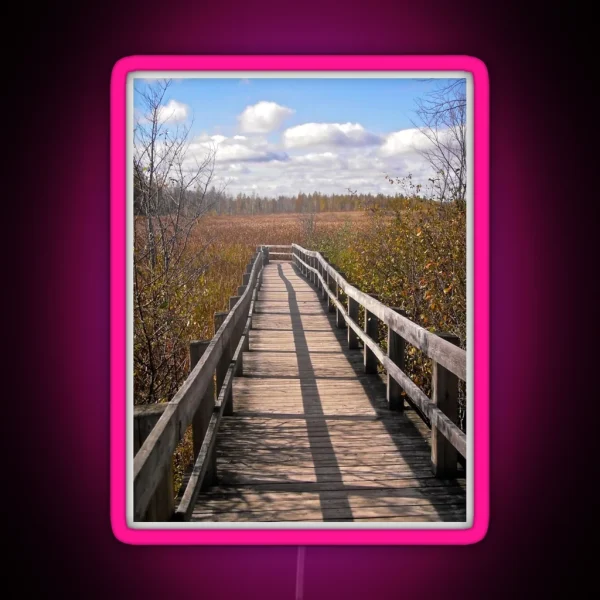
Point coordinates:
[(145, 418), (451, 357), (371, 330), (311, 487), (201, 420), (444, 459), (312, 437), (451, 512), (203, 461), (396, 353), (154, 457)]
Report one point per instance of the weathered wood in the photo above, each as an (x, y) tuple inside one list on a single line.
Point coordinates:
[(199, 472), (247, 329), (204, 412), (339, 314), (372, 330), (448, 429), (333, 286), (353, 308), (145, 418), (245, 279), (435, 347), (312, 437), (155, 455), (238, 357), (226, 357), (444, 458), (396, 353)]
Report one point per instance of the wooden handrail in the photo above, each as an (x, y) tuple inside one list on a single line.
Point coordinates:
[(153, 459), (224, 353), (432, 345), (438, 349)]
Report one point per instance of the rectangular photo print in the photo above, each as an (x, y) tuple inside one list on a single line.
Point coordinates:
[(295, 277)]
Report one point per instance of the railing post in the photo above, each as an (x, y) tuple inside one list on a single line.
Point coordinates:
[(340, 322), (223, 365), (203, 414), (396, 350), (326, 279), (333, 287), (353, 314), (444, 457), (245, 278), (265, 255), (318, 267), (246, 346), (372, 330), (162, 504)]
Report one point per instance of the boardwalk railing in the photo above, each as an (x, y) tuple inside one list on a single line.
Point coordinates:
[(278, 252), (449, 360), (206, 395), (198, 403)]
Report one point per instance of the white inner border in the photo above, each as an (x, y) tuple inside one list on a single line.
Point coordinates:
[(470, 240)]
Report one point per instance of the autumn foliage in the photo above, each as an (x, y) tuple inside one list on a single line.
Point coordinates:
[(411, 253)]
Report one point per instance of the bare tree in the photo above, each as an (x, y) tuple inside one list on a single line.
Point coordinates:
[(442, 119), (170, 196)]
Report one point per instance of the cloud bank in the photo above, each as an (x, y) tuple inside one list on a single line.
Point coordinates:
[(324, 157)]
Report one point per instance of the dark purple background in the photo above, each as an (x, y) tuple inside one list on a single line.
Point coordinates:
[(58, 269)]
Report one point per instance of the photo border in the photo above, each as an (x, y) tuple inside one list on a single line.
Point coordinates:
[(118, 295)]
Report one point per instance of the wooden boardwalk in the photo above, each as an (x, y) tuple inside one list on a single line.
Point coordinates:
[(311, 437)]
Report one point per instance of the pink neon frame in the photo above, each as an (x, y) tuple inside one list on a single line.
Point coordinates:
[(132, 64)]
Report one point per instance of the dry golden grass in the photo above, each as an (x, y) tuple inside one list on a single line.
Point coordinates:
[(414, 258), (224, 244)]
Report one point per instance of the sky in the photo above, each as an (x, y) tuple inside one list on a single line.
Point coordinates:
[(285, 136)]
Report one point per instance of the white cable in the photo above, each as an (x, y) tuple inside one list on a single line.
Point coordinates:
[(300, 573)]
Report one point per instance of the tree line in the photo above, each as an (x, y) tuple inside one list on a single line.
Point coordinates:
[(217, 202)]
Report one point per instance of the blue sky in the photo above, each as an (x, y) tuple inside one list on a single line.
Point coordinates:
[(296, 134)]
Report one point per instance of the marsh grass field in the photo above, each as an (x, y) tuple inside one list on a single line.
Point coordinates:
[(412, 255)]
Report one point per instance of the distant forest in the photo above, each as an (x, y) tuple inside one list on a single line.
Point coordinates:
[(217, 202)]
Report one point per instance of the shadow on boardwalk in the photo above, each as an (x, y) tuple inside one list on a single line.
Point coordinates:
[(299, 449)]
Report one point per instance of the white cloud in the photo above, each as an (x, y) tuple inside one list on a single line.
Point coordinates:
[(329, 134), (412, 141), (217, 139), (236, 149), (263, 117), (253, 163), (402, 142), (316, 158), (173, 112)]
